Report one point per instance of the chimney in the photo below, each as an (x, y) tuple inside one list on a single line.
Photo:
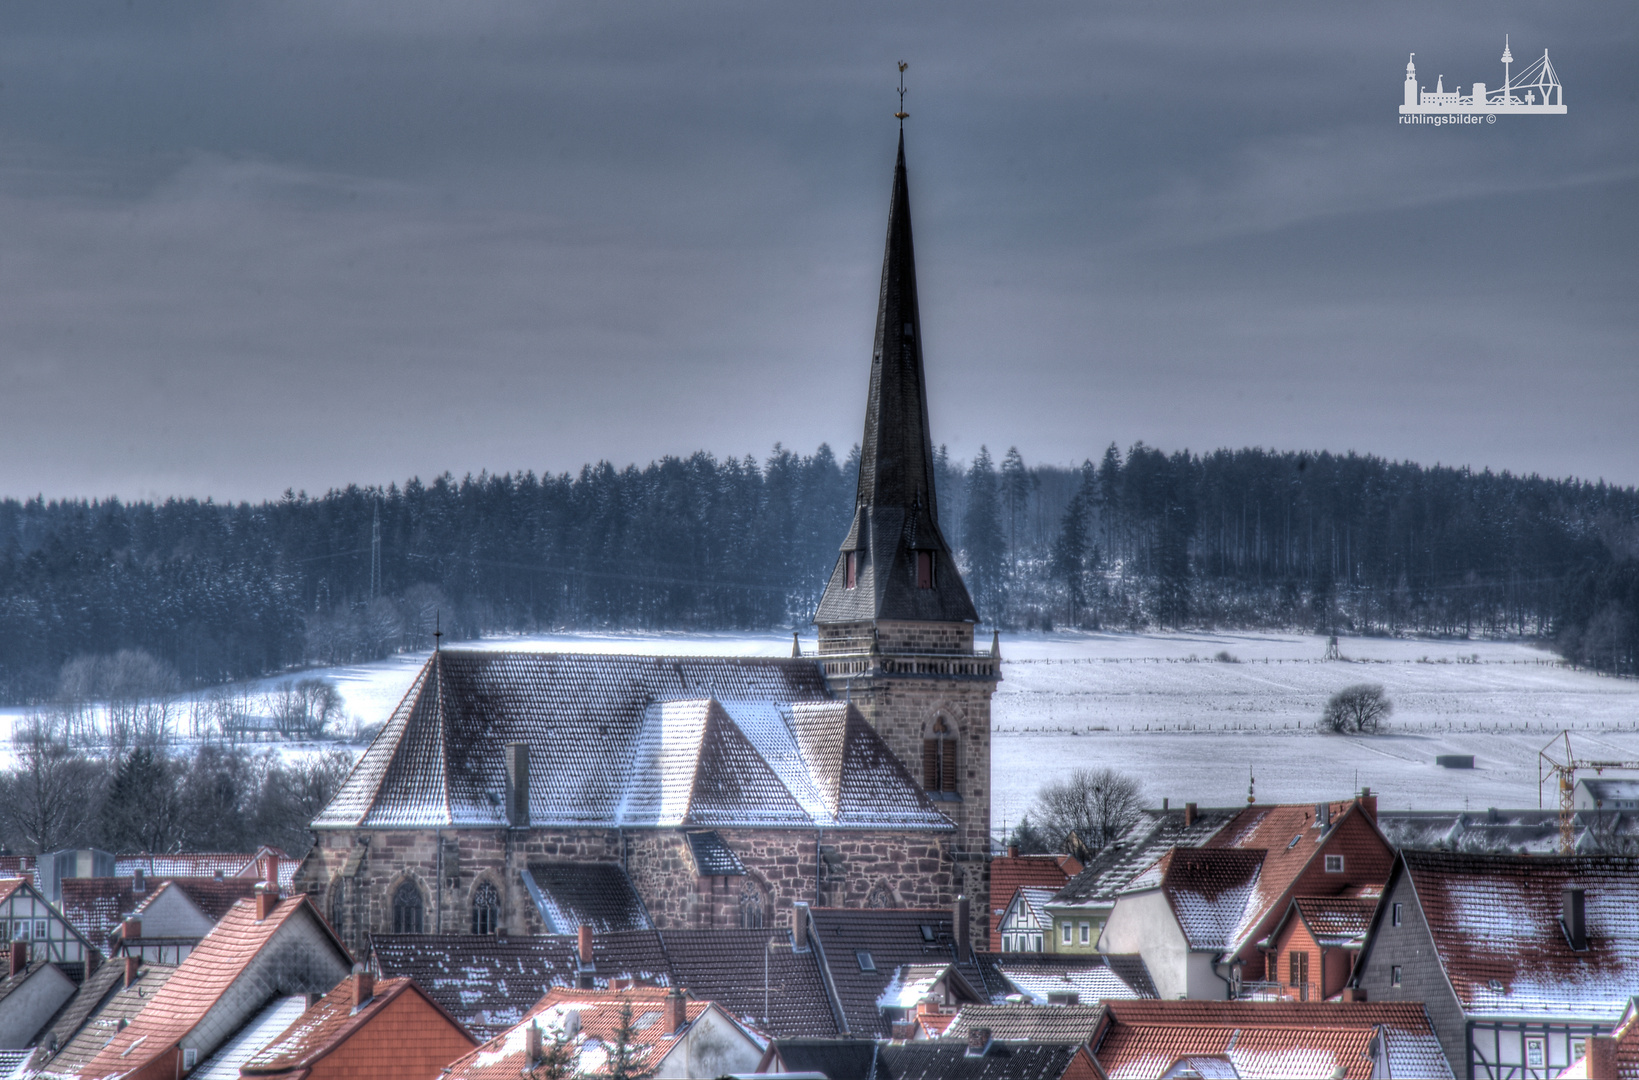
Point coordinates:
[(19, 956), (1163, 804), (799, 926), (139, 884), (676, 1012), (132, 963), (273, 873), (1012, 851), (1189, 814), (584, 946), (1323, 814), (960, 929), (517, 785), (978, 1041), (1574, 914), (364, 987), (131, 929), (532, 1044), (1601, 1059), (1368, 804), (266, 901)]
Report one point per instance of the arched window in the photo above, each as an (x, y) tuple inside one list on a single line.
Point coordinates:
[(939, 758), (338, 905), (407, 909), (486, 909), (751, 906)]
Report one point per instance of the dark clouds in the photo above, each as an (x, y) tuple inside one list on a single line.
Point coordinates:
[(244, 247)]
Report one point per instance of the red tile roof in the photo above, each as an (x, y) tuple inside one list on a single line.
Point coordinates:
[(1495, 921), (1010, 873), (196, 985), (1277, 1040), (1334, 920), (1213, 892), (9, 886), (327, 1025), (502, 1058)]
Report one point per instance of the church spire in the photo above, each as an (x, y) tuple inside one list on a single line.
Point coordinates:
[(895, 563)]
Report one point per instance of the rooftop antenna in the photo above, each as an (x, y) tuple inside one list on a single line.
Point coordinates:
[(902, 114), (438, 629), (1507, 58)]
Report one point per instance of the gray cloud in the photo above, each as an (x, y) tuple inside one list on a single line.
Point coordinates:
[(245, 247)]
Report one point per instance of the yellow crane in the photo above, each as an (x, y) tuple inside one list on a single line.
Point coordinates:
[(1565, 772)]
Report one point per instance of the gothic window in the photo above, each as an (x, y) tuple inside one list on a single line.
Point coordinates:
[(751, 906), (881, 896), (939, 758), (486, 909), (407, 909), (924, 569), (852, 559), (338, 907)]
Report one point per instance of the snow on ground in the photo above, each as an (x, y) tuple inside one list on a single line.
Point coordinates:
[(1159, 706)]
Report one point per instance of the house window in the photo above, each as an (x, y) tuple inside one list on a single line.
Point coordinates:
[(852, 571), (1007, 943), (924, 569), (1064, 929), (1298, 970), (751, 907), (486, 909), (1038, 943), (1394, 975), (1086, 933), (1536, 1052), (407, 909), (939, 758), (1394, 915), (1334, 864), (1579, 1046)]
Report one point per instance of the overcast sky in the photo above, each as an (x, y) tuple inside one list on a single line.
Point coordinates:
[(251, 246)]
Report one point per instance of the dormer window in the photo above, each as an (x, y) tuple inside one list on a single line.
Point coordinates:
[(851, 573), (924, 569)]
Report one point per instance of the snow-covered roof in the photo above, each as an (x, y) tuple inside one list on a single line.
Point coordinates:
[(1154, 831), (1213, 892), (1496, 925), (629, 741)]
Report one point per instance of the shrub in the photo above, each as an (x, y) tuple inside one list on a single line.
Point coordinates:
[(1360, 709)]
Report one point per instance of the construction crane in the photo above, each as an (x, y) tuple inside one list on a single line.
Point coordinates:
[(1565, 772)]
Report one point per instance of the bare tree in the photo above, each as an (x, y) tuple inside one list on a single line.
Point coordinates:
[(50, 800), (1361, 708), (1097, 805), (305, 707)]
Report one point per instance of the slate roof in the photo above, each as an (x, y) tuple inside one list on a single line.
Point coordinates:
[(1272, 1040), (944, 1059), (249, 1040), (896, 506), (636, 741), (893, 938), (1495, 921), (599, 1015), (100, 1008), (1095, 977), (835, 1058), (572, 895), (1111, 869), (490, 983), (1008, 873), (712, 857), (1036, 1023)]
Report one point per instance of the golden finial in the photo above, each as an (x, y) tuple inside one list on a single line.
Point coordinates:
[(902, 113)]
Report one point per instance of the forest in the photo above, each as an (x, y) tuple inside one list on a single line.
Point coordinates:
[(1231, 539)]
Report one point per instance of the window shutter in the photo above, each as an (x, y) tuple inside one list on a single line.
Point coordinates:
[(948, 774), (930, 764)]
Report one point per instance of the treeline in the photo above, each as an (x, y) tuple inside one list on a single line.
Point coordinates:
[(1246, 538)]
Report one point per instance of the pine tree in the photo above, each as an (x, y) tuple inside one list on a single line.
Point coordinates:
[(622, 1063), (985, 545), (1070, 557)]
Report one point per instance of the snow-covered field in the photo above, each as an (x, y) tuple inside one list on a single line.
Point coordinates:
[(1161, 707)]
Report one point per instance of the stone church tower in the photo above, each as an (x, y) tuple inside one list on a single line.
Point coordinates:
[(896, 622)]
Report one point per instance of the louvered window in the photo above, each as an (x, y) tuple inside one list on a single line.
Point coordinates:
[(924, 569), (939, 759)]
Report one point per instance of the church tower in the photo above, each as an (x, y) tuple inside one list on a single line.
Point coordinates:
[(896, 622)]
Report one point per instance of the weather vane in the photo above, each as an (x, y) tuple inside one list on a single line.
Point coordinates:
[(902, 113)]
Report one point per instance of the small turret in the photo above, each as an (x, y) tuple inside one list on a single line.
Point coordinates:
[(1411, 83)]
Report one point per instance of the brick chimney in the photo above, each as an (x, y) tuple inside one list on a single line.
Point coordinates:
[(364, 987), (1354, 993), (1368, 804), (583, 954), (1189, 814), (273, 873), (132, 964), (677, 1013), (1601, 1061), (961, 929), (266, 900), (1574, 915), (1012, 851), (19, 956), (131, 929), (799, 926), (533, 1047), (517, 785)]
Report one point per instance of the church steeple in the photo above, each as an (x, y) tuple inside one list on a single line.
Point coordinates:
[(895, 563)]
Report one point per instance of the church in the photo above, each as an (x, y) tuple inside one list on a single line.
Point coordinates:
[(531, 793)]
